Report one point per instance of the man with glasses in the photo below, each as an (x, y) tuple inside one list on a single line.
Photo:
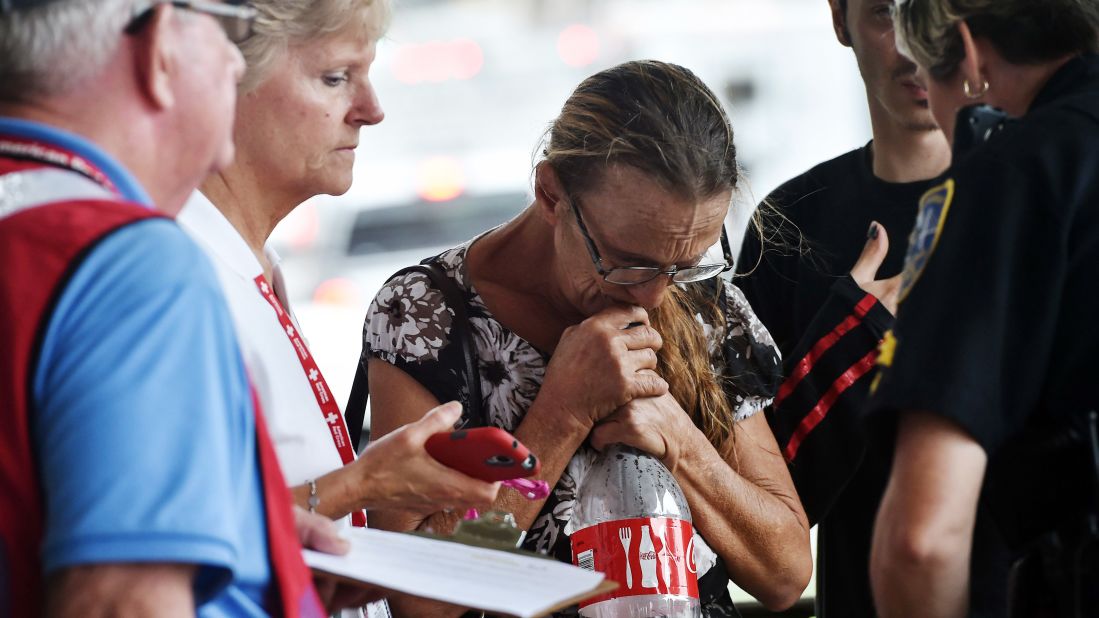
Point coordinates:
[(135, 473)]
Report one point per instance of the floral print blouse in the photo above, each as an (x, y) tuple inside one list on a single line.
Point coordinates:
[(408, 325)]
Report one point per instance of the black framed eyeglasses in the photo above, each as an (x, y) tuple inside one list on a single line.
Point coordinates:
[(635, 275), (235, 19)]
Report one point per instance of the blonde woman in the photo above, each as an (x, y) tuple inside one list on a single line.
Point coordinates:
[(305, 96)]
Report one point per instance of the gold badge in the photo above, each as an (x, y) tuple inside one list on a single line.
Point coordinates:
[(934, 206), (887, 347)]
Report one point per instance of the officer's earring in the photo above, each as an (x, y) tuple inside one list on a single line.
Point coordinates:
[(969, 94)]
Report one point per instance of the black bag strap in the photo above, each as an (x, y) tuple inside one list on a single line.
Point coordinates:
[(460, 333)]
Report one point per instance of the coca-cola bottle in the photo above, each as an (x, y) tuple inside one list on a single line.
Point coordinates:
[(632, 523)]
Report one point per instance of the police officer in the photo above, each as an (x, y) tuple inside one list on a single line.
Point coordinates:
[(995, 341)]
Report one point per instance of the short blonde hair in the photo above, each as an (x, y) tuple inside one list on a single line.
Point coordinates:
[(1023, 31), (282, 23)]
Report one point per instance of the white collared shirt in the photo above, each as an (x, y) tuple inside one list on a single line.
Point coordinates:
[(294, 419)]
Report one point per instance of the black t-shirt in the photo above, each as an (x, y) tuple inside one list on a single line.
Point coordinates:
[(800, 289), (827, 213), (996, 328)]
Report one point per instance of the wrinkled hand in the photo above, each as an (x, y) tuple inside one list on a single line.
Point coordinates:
[(866, 269), (319, 533), (600, 365), (656, 425), (396, 472)]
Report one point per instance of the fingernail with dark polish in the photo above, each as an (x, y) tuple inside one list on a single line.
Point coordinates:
[(872, 233)]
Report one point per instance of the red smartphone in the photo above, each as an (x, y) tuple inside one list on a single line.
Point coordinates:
[(486, 453)]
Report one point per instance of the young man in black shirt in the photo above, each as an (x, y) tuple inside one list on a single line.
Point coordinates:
[(828, 322)]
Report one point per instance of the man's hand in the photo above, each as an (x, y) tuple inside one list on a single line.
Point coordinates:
[(865, 270), (319, 533), (396, 472)]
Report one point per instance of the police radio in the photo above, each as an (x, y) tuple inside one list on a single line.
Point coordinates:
[(975, 125)]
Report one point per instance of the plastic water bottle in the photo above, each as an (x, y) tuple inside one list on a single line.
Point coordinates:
[(632, 524)]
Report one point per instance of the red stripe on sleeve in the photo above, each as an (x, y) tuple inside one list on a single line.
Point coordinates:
[(819, 411), (805, 365)]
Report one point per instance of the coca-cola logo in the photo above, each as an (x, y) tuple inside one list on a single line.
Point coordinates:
[(643, 555)]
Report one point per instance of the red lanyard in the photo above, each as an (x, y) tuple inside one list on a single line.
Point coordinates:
[(333, 419), (50, 155)]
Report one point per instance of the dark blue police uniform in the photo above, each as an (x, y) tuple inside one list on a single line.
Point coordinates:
[(1000, 296)]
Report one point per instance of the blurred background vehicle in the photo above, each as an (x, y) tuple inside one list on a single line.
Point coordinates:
[(469, 87)]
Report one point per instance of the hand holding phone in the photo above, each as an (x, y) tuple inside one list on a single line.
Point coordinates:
[(485, 453)]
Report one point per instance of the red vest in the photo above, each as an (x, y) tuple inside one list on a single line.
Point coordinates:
[(40, 247)]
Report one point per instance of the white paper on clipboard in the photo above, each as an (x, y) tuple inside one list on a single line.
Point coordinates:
[(486, 579)]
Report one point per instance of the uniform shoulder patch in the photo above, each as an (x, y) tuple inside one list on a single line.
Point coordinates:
[(887, 348), (934, 206)]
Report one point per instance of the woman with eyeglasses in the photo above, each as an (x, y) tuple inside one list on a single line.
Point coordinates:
[(304, 97), (598, 317)]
